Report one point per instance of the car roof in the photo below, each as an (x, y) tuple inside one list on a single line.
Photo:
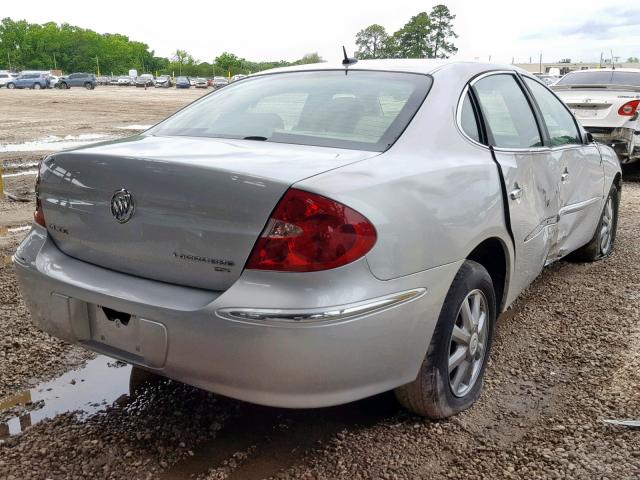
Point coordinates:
[(591, 70), (418, 65)]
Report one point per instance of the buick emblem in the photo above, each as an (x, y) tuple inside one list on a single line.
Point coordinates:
[(122, 205)]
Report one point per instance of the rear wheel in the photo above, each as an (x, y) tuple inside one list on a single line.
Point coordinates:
[(11, 85), (88, 86), (450, 378), (603, 241), (63, 86), (140, 380), (37, 86)]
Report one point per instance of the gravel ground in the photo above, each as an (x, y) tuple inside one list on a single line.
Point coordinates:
[(566, 357)]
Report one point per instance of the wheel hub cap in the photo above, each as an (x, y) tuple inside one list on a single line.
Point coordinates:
[(468, 344), (473, 344)]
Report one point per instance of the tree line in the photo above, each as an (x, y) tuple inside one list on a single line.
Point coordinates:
[(425, 35), (50, 46)]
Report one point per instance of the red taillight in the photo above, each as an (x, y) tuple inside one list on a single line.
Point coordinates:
[(38, 215), (629, 108), (309, 232)]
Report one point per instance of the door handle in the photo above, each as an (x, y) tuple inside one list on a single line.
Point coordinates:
[(516, 193), (565, 176)]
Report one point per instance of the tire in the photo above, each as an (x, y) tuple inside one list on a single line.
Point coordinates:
[(435, 392), (599, 248), (88, 86), (140, 380), (11, 86), (36, 86), (64, 86)]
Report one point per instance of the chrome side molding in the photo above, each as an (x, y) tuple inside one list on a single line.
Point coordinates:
[(338, 313)]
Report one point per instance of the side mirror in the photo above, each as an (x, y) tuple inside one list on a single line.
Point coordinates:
[(588, 138)]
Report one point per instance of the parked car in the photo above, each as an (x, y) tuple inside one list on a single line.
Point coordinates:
[(237, 77), (145, 80), (606, 102), (124, 81), (164, 81), (201, 83), (6, 77), (104, 80), (365, 243), (29, 80), (547, 79), (86, 80), (53, 81), (219, 82), (183, 82)]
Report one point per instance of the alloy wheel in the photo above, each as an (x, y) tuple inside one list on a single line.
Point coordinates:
[(606, 227), (468, 344)]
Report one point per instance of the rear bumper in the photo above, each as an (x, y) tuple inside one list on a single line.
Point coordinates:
[(324, 339)]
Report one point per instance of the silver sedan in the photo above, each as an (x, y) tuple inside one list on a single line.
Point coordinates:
[(315, 235)]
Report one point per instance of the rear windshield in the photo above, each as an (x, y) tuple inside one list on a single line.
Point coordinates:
[(601, 78), (361, 110)]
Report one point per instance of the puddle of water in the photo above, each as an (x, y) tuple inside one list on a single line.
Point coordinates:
[(6, 231), (20, 174), (88, 390), (135, 127), (20, 165), (21, 228), (55, 143)]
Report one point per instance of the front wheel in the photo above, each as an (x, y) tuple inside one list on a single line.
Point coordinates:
[(88, 86), (603, 241), (11, 86), (450, 378)]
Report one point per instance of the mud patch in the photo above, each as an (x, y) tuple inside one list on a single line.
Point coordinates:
[(54, 143)]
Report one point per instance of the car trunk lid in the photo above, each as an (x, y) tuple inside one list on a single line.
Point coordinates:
[(199, 204), (593, 105)]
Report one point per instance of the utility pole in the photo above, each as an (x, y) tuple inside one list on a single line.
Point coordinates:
[(540, 63), (55, 65), (9, 58), (98, 65)]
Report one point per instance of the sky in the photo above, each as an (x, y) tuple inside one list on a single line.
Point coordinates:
[(287, 29)]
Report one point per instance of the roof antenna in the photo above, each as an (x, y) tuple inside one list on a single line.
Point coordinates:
[(346, 61)]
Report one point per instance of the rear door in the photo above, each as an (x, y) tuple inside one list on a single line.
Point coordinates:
[(529, 173), (581, 183)]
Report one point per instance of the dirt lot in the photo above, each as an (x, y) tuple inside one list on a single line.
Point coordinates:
[(566, 358)]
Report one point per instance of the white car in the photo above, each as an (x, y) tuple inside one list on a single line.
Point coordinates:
[(606, 102), (5, 77), (53, 81)]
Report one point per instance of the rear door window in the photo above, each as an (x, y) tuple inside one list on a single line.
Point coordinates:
[(560, 123), (468, 119), (507, 112)]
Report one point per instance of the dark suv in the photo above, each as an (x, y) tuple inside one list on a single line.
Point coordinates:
[(86, 80)]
